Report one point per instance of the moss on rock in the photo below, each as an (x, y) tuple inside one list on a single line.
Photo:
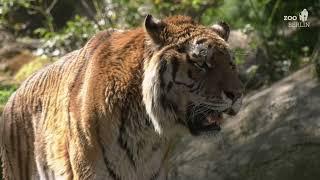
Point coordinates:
[(31, 67)]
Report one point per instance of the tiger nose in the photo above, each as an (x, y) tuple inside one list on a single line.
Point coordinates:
[(233, 95)]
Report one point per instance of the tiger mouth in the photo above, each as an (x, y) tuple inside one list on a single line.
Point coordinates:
[(205, 123), (212, 122)]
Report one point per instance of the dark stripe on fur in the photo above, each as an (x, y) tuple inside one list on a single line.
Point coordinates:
[(155, 175), (106, 161), (16, 145), (45, 169), (167, 104), (26, 165), (12, 139), (162, 70), (195, 88), (76, 82), (189, 74), (181, 122), (122, 142), (189, 59), (123, 132), (18, 155), (200, 41), (175, 66), (170, 84), (184, 84), (163, 102), (156, 146)]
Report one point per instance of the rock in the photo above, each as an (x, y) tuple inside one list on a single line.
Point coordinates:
[(276, 136), (13, 64), (11, 46)]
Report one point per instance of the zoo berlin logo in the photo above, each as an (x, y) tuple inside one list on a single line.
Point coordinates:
[(303, 17)]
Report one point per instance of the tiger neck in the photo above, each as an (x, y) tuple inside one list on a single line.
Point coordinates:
[(135, 141)]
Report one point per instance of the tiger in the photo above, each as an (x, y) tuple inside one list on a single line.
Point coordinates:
[(110, 109)]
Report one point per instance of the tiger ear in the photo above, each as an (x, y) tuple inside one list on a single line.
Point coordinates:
[(222, 29), (154, 27)]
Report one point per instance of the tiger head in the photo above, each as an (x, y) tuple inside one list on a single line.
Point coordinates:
[(190, 78)]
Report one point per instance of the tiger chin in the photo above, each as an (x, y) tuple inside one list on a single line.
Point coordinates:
[(110, 109)]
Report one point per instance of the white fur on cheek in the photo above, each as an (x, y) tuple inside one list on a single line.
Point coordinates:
[(150, 90)]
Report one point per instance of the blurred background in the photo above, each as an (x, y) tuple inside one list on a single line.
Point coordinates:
[(276, 135)]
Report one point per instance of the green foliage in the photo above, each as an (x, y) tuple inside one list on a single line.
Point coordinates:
[(283, 49), (5, 93), (22, 16), (76, 32)]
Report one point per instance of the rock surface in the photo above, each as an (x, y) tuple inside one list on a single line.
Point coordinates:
[(276, 136)]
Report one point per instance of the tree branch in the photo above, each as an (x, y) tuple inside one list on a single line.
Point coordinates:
[(90, 13), (54, 2)]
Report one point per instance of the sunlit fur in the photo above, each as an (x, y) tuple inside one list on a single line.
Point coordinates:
[(105, 111)]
